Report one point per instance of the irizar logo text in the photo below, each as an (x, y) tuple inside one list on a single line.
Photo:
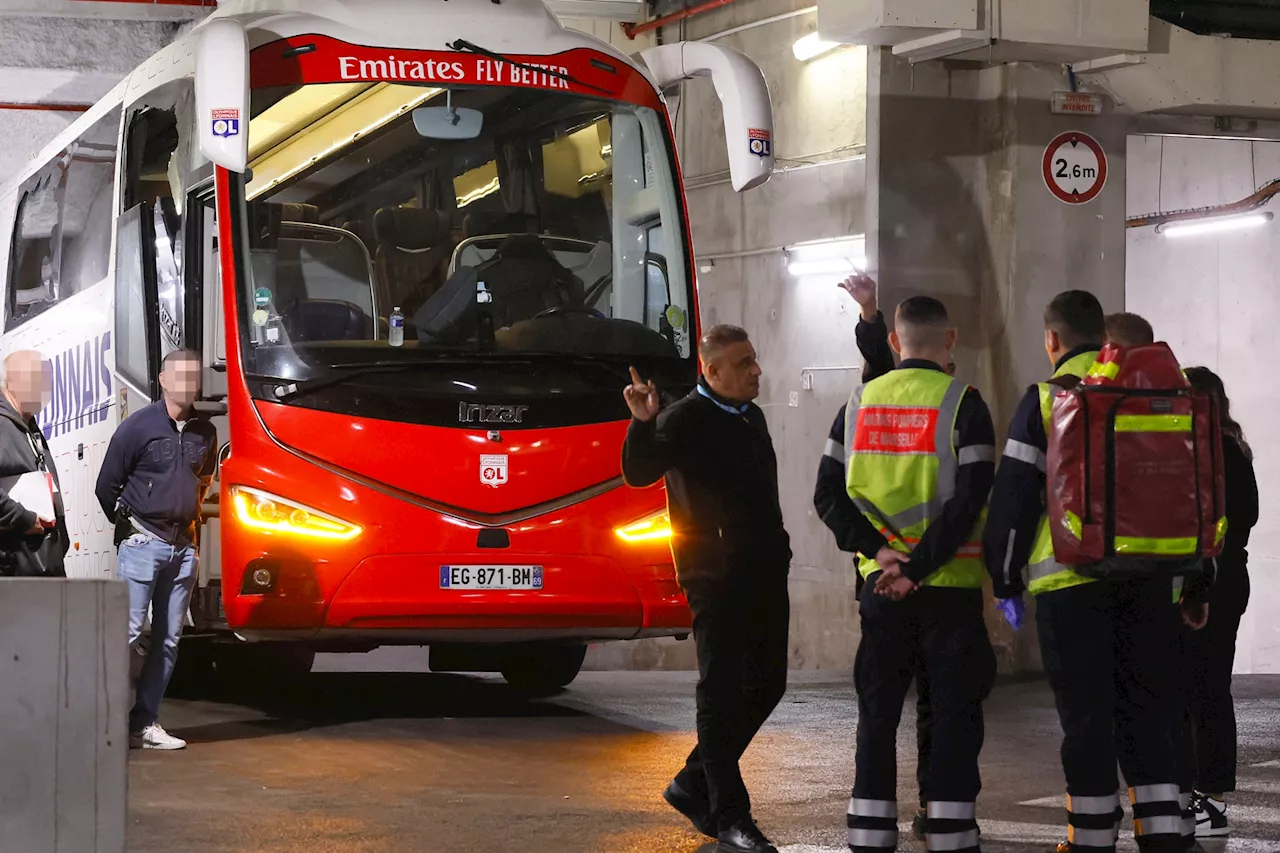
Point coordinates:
[(474, 413)]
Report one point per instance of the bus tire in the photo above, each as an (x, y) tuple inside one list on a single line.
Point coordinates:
[(543, 667)]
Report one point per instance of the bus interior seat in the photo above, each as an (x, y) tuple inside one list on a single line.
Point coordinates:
[(414, 248), (364, 232)]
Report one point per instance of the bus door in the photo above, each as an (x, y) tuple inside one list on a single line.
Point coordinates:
[(163, 254), (207, 336)]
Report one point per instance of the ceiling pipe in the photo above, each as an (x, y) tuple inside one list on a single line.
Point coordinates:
[(633, 30), (52, 108), (197, 3), (1245, 205)]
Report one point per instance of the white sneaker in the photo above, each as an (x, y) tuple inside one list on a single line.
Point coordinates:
[(1211, 816), (154, 737)]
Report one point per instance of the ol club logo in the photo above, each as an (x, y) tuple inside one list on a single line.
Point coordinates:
[(494, 470), (761, 142)]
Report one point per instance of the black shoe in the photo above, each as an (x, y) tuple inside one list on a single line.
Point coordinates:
[(696, 809), (920, 824), (744, 837)]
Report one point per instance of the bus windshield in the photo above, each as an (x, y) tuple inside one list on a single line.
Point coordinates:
[(500, 223)]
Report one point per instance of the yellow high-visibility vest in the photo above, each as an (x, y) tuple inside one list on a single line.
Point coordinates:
[(1044, 573), (902, 464)]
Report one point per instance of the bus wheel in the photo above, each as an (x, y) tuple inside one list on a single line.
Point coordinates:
[(543, 667), (264, 664)]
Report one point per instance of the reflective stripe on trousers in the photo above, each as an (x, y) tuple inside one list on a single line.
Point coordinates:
[(1157, 810), (1094, 822), (873, 824), (952, 827)]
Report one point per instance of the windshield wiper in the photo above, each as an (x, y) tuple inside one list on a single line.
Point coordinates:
[(617, 365), (286, 389), (468, 47), (289, 389)]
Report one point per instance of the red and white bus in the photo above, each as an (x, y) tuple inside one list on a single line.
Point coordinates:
[(417, 244)]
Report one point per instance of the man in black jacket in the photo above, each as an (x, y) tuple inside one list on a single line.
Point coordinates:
[(732, 556), (154, 477), (31, 543)]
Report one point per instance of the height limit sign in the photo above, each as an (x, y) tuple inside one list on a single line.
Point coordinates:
[(1075, 167)]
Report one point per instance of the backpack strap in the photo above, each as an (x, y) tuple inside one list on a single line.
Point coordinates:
[(1066, 382)]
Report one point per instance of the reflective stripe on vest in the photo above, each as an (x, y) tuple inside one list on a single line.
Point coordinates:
[(901, 464), (1044, 573)]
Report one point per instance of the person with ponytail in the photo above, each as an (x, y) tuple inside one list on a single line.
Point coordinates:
[(1211, 651)]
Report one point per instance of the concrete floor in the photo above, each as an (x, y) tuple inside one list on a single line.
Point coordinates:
[(365, 762)]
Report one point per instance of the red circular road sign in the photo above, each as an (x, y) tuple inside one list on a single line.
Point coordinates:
[(1075, 167)]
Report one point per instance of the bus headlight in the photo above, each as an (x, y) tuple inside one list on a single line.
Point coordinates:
[(261, 510), (656, 527)]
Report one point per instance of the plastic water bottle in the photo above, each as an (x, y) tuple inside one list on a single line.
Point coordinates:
[(396, 336)]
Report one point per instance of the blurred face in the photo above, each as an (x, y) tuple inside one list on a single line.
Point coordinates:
[(735, 374), (28, 383), (180, 380)]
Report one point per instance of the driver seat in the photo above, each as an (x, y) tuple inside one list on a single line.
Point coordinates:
[(526, 280)]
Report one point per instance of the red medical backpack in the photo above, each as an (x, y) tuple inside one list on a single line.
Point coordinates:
[(1134, 475)]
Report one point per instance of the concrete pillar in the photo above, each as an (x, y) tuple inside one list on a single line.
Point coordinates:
[(63, 707), (958, 208)]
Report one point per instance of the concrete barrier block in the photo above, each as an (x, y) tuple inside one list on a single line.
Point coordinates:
[(64, 703)]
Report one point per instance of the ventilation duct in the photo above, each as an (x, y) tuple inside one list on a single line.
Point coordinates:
[(990, 30), (1194, 75)]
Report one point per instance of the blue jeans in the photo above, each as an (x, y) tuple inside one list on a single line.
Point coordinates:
[(161, 578)]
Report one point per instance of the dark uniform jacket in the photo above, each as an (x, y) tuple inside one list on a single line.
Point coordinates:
[(722, 490)]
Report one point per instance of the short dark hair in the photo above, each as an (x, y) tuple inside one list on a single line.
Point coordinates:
[(920, 319), (1077, 318), (1129, 330), (924, 311), (717, 338), (179, 355)]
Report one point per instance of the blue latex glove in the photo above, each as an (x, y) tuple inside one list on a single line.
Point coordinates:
[(1014, 610)]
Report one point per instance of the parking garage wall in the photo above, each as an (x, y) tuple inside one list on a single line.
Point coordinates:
[(818, 192), (939, 166), (1214, 299)]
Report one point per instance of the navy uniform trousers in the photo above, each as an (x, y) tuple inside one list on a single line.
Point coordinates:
[(1111, 651), (944, 630)]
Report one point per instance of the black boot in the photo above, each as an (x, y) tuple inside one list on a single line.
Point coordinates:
[(695, 808), (744, 837)]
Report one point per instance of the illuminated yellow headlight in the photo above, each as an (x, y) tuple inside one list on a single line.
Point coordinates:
[(655, 527), (264, 511)]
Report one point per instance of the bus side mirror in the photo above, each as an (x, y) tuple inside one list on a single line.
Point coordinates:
[(222, 94), (744, 97)]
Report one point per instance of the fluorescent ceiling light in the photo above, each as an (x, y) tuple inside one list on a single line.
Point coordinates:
[(842, 256), (812, 46), (1215, 225)]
